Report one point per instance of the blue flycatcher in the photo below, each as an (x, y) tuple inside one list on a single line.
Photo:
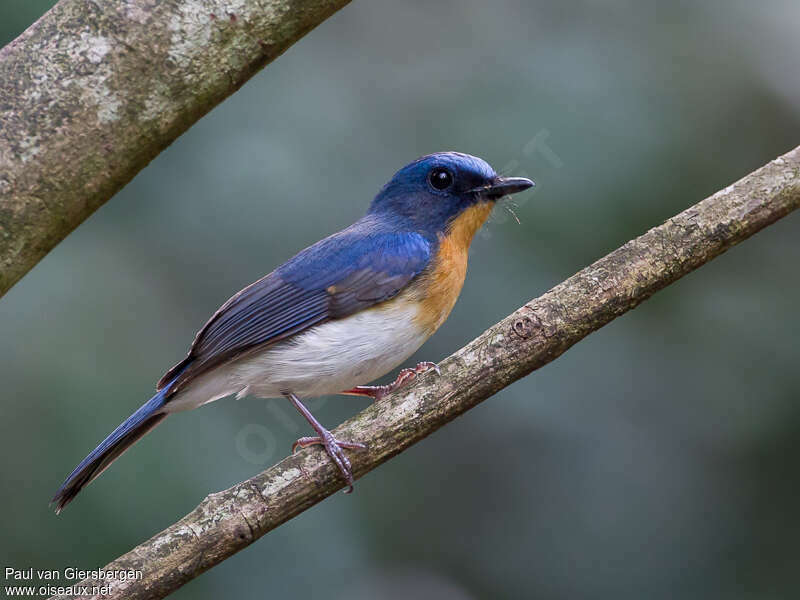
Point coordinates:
[(336, 316)]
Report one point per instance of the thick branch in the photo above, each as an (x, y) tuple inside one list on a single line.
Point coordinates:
[(532, 336), (93, 91)]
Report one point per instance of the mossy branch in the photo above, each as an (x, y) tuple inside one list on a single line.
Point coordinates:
[(534, 335), (93, 91)]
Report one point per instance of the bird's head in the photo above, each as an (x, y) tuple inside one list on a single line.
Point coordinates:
[(445, 193)]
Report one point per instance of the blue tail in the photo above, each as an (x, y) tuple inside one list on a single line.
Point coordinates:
[(123, 437)]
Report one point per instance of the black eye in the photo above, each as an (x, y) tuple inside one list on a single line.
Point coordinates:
[(440, 178)]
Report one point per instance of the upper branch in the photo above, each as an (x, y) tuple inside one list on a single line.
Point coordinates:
[(534, 335), (93, 91)]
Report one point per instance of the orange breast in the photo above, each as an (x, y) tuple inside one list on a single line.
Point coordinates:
[(440, 286)]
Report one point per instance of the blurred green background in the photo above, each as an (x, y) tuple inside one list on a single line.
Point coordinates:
[(656, 459)]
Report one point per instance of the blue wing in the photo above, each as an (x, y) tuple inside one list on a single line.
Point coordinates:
[(334, 278)]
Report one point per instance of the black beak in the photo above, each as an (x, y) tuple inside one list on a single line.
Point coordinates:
[(503, 186)]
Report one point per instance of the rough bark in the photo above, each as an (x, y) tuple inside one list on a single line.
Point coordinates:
[(534, 335), (93, 91)]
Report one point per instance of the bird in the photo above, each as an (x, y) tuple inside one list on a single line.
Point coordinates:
[(335, 317)]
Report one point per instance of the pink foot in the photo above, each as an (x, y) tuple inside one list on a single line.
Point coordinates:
[(404, 377), (333, 447)]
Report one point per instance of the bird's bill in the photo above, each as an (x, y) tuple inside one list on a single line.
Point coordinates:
[(503, 186)]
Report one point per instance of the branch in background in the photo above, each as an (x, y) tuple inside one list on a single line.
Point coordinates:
[(93, 91), (531, 337)]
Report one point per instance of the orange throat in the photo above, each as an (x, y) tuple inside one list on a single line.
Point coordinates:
[(441, 285)]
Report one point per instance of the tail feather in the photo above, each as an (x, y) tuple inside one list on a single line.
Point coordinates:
[(123, 437)]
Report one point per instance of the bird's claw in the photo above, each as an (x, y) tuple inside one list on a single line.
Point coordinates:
[(404, 377), (333, 448), (427, 366)]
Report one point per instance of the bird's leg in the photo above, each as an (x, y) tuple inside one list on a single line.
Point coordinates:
[(404, 377), (325, 438)]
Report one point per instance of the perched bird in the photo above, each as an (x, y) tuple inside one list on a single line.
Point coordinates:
[(336, 316)]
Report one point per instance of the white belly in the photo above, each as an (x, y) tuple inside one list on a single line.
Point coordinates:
[(326, 359)]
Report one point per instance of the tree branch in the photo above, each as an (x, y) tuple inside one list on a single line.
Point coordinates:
[(93, 91), (534, 335)]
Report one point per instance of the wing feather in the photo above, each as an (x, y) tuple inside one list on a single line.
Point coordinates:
[(332, 279)]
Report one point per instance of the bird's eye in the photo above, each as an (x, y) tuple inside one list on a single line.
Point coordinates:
[(440, 178)]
